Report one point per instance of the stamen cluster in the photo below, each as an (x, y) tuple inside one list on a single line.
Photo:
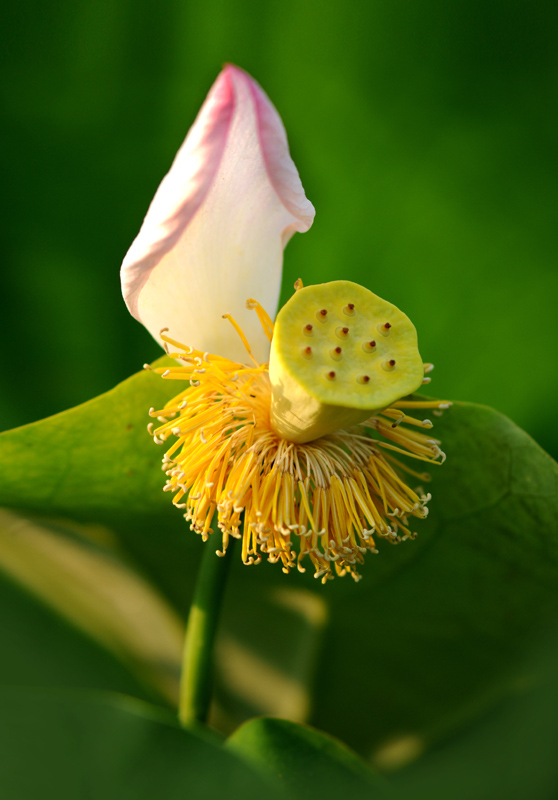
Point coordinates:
[(326, 499)]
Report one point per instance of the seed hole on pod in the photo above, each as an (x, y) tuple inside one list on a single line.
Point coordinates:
[(330, 375), (322, 315), (389, 365), (336, 353), (308, 330), (363, 379), (384, 328), (349, 310), (307, 352), (342, 333), (369, 347)]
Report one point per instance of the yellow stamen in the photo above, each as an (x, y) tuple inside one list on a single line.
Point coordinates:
[(263, 316), (240, 332)]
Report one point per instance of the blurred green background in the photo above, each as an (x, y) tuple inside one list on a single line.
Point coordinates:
[(424, 132)]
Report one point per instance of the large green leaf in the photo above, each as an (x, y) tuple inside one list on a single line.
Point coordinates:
[(305, 762), (429, 638), (438, 631), (66, 746), (93, 461)]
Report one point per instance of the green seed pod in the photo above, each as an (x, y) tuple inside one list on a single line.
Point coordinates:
[(339, 355)]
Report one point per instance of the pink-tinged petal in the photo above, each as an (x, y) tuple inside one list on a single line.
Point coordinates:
[(216, 228)]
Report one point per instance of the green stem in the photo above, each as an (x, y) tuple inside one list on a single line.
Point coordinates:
[(197, 672)]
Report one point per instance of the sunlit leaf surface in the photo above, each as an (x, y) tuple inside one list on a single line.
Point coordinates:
[(76, 577), (39, 647), (306, 763)]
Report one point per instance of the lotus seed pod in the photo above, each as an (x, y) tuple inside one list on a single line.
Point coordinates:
[(339, 355)]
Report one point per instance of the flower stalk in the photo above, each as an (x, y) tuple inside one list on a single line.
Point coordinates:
[(197, 660)]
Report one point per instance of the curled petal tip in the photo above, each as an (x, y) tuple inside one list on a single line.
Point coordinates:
[(216, 228), (275, 150)]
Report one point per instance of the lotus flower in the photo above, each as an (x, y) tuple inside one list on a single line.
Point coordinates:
[(273, 445)]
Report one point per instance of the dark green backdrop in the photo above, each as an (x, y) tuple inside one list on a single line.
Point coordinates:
[(424, 131)]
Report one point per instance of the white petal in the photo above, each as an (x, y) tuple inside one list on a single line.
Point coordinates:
[(215, 231)]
